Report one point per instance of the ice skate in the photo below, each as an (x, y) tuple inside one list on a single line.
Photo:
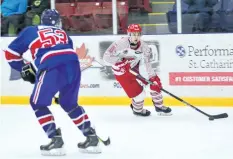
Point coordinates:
[(55, 147), (143, 113), (163, 111), (91, 144)]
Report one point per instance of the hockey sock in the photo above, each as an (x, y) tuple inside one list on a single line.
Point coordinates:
[(80, 119), (157, 98), (138, 102), (138, 106), (46, 120)]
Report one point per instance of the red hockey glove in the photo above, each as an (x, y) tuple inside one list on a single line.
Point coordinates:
[(157, 86), (123, 66)]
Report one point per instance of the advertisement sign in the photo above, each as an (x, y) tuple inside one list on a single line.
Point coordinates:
[(201, 78), (211, 62), (192, 66)]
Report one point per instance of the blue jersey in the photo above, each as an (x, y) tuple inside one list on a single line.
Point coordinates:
[(49, 46)]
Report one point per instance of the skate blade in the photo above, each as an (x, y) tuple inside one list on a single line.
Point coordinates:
[(54, 152), (139, 115), (91, 150), (164, 114)]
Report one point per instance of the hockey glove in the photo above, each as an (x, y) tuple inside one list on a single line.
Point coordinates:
[(157, 86), (28, 73), (123, 66)]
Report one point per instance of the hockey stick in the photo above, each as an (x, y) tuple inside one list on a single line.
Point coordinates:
[(211, 117), (105, 142)]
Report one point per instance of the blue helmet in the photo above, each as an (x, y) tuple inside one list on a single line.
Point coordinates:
[(51, 17)]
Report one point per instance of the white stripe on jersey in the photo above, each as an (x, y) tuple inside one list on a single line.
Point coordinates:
[(55, 52), (13, 52)]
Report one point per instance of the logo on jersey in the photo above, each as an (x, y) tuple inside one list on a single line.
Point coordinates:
[(138, 52), (125, 52), (85, 60), (180, 51)]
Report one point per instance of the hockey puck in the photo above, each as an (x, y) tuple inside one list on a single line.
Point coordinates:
[(211, 118)]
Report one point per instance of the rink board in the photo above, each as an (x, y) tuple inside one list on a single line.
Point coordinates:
[(197, 68), (124, 101)]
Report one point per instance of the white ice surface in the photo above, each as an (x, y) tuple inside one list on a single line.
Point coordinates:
[(185, 135)]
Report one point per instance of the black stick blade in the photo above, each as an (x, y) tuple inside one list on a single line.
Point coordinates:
[(219, 116), (107, 142)]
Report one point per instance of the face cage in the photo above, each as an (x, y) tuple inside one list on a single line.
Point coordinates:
[(59, 24), (130, 34)]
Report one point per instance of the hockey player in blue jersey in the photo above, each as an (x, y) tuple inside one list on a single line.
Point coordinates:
[(58, 70)]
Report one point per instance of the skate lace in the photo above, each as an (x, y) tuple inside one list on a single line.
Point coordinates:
[(144, 111), (163, 107)]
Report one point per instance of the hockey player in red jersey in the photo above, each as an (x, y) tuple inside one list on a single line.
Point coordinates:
[(133, 53)]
